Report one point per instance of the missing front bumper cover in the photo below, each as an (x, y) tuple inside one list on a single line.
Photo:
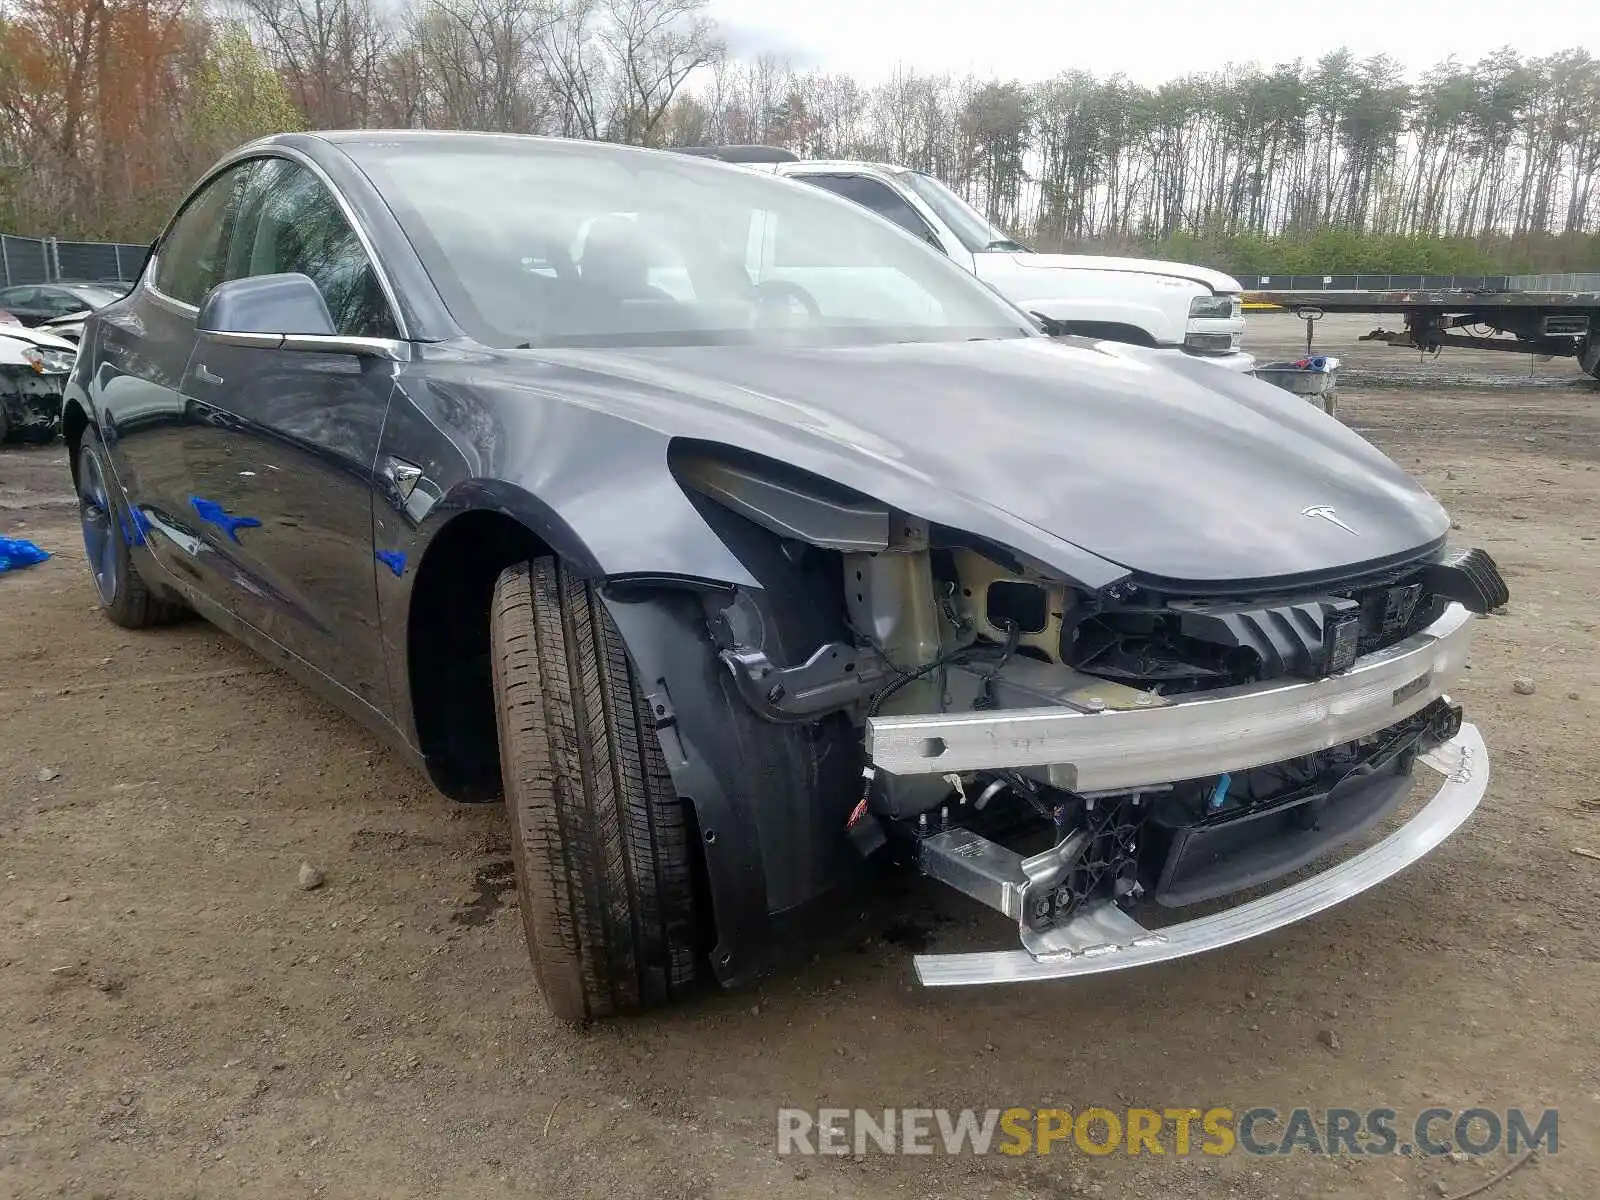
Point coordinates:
[(1104, 938), (1192, 736)]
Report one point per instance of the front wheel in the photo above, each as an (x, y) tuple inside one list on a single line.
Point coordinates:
[(601, 841)]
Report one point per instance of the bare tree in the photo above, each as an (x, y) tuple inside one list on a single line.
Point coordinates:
[(577, 76), (652, 46), (331, 53), (615, 66), (108, 108), (478, 64)]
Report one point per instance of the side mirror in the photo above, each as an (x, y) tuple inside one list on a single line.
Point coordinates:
[(282, 312), (265, 304)]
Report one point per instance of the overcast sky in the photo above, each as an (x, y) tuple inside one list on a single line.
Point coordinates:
[(1149, 41)]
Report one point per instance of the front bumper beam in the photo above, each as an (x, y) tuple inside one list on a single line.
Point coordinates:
[(1104, 938), (1188, 737)]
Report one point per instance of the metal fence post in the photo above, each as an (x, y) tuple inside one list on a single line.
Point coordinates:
[(5, 258)]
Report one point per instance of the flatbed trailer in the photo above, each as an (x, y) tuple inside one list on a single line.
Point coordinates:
[(1560, 324)]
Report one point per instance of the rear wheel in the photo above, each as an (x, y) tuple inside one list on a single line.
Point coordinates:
[(600, 839), (108, 533)]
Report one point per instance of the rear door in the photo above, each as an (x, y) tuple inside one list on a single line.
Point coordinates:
[(139, 353), (282, 461)]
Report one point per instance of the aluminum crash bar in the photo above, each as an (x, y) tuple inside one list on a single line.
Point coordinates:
[(1231, 729), (1104, 938)]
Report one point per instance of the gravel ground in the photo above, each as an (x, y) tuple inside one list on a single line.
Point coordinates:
[(182, 1019)]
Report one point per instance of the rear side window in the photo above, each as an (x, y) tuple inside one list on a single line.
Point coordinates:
[(869, 193), (290, 222), (191, 258)]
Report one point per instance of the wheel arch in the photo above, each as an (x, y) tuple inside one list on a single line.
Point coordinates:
[(1112, 331), (769, 801), (471, 534), (450, 677), (74, 420)]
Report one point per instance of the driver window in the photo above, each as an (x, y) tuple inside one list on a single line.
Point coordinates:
[(289, 222)]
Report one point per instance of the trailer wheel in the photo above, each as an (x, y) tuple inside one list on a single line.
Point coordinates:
[(1589, 352), (600, 840)]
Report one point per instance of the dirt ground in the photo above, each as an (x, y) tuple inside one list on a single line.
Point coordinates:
[(179, 1019)]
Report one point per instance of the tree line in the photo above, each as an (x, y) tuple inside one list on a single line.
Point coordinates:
[(110, 108)]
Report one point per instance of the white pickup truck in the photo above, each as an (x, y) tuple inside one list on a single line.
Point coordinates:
[(1137, 300)]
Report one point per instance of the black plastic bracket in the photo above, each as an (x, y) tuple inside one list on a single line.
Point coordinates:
[(834, 677)]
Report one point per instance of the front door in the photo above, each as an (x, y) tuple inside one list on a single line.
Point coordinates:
[(282, 454)]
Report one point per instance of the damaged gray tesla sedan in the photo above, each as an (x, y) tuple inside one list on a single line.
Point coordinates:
[(740, 541)]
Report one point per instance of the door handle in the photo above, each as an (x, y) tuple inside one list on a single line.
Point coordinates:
[(402, 475), (205, 375)]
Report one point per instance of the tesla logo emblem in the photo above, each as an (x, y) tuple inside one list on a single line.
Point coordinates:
[(1327, 514)]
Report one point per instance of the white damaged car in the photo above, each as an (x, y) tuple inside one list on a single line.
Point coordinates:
[(33, 372)]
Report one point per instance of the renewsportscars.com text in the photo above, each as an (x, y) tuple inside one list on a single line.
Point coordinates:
[(1165, 1131)]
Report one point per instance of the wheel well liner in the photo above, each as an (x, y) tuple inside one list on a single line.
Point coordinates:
[(73, 422), (449, 678)]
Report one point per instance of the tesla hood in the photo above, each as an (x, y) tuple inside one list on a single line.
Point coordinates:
[(1164, 466)]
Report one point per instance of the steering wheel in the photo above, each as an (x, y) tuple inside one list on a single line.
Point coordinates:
[(770, 293)]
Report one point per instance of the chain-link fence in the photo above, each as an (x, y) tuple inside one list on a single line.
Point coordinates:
[(1580, 282), (1375, 283), (47, 260), (1586, 282)]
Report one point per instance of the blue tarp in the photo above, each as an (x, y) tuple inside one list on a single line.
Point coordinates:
[(18, 552)]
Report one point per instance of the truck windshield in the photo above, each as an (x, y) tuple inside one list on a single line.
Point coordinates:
[(968, 224)]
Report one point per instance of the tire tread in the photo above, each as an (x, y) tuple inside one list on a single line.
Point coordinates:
[(599, 835)]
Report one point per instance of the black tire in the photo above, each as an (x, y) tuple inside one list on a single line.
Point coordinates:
[(600, 840), (107, 530)]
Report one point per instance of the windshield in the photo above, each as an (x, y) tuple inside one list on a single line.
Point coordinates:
[(543, 243), (95, 297), (968, 224)]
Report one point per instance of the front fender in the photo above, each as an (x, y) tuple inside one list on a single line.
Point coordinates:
[(594, 487)]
